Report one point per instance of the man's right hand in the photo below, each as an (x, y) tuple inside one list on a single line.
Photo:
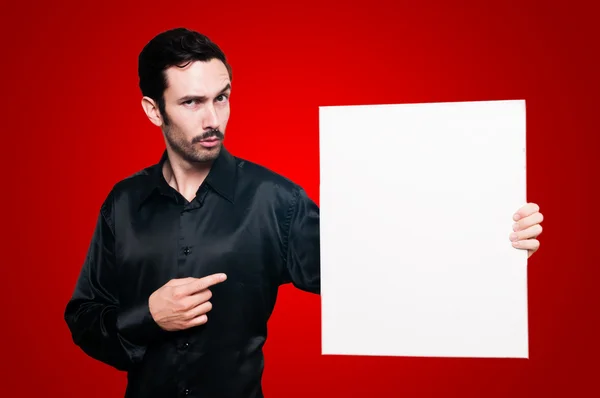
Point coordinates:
[(183, 303)]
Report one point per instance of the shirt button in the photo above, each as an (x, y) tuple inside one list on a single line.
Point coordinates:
[(186, 251), (186, 392), (186, 345)]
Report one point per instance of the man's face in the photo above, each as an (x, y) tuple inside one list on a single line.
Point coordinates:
[(197, 108)]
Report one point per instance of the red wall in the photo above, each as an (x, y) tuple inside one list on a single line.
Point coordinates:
[(72, 125)]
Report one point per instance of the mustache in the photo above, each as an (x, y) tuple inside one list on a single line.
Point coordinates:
[(209, 134)]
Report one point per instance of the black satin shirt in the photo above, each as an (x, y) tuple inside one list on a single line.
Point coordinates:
[(256, 226)]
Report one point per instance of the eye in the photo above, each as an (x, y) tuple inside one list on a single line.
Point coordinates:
[(222, 98), (190, 102)]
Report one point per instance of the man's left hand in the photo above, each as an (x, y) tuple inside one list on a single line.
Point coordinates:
[(527, 228)]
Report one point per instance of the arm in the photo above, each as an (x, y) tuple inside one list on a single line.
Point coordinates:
[(98, 324), (302, 246)]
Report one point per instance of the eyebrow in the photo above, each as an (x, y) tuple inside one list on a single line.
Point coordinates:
[(202, 98)]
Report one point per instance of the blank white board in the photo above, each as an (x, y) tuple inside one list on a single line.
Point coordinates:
[(416, 207)]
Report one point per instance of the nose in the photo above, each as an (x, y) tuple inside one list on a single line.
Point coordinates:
[(211, 121)]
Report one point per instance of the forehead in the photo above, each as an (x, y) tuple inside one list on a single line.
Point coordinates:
[(201, 78)]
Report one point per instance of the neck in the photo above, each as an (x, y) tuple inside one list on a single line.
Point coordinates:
[(183, 176)]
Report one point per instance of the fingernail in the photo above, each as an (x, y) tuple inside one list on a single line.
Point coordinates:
[(515, 226), (513, 236), (515, 243), (516, 217)]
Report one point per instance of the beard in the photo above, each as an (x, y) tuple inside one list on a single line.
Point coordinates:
[(190, 152)]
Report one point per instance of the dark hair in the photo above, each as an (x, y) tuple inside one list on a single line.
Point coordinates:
[(175, 47)]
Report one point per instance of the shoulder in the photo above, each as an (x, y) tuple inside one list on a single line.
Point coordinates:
[(139, 181), (276, 194), (263, 180), (129, 190)]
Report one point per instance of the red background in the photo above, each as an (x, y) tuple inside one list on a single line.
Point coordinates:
[(72, 126)]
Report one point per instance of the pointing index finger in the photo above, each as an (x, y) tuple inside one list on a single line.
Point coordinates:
[(199, 284), (207, 281)]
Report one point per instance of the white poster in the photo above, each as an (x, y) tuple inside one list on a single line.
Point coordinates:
[(416, 205)]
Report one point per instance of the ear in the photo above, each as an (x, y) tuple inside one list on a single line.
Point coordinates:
[(151, 109)]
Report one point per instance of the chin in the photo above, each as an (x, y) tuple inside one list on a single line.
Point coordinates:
[(207, 154)]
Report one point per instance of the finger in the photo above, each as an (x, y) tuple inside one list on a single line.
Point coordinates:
[(528, 244), (198, 310), (200, 284), (528, 233), (527, 210), (524, 223), (200, 320), (191, 301), (181, 281)]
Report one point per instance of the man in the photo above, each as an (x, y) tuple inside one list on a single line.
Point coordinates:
[(187, 255)]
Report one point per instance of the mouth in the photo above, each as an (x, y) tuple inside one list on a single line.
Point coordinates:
[(209, 142)]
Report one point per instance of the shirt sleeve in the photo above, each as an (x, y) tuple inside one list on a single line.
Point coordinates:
[(302, 251), (99, 325)]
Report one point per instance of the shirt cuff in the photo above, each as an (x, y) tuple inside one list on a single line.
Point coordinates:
[(137, 325)]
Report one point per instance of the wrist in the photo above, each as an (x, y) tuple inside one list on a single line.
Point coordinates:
[(137, 324)]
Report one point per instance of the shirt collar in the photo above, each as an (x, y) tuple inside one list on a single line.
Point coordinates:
[(221, 177), (223, 174)]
